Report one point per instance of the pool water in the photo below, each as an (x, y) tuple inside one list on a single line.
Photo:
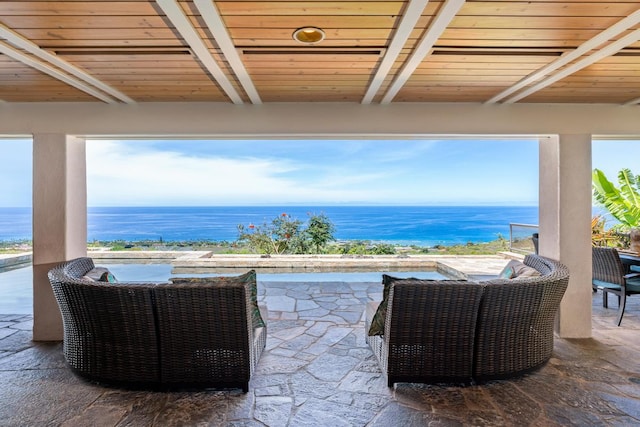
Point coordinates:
[(161, 272), (16, 284)]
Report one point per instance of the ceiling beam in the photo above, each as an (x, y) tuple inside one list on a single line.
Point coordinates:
[(21, 42), (603, 37), (633, 102), (177, 17), (56, 73), (409, 20), (609, 50), (212, 18), (445, 15)]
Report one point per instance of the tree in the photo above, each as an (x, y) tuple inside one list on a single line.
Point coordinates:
[(319, 231), (280, 236), (624, 202), (286, 235)]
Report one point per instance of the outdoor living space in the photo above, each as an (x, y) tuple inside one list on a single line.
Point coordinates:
[(560, 73), (317, 370)]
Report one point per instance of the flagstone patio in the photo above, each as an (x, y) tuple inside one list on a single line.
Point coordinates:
[(318, 371)]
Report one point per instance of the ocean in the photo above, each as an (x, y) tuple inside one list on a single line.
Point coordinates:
[(402, 225)]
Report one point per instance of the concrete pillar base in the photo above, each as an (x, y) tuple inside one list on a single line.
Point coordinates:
[(49, 324)]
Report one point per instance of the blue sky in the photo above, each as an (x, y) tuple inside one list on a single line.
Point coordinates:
[(311, 172)]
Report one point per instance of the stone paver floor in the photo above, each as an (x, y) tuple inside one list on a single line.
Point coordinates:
[(318, 371)]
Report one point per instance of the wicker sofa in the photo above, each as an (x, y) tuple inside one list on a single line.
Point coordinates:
[(159, 335), (468, 331)]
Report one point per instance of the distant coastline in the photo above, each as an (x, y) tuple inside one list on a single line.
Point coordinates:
[(356, 247)]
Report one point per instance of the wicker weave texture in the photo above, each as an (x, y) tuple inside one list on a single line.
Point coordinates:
[(451, 331), (431, 330), (210, 343), (156, 335), (607, 266), (516, 321), (109, 331)]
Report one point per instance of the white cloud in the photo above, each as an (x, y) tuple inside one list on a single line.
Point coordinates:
[(154, 173), (144, 173), (122, 174)]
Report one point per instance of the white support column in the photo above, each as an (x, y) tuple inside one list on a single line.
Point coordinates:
[(59, 221), (565, 224)]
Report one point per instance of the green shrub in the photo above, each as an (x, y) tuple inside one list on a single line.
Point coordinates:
[(285, 235)]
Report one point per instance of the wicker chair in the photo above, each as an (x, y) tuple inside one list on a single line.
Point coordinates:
[(466, 331), (609, 275), (516, 321), (157, 335), (429, 332)]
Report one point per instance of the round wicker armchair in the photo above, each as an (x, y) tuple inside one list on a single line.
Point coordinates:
[(466, 331), (159, 335)]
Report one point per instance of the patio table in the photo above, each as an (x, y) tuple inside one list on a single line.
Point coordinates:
[(629, 258)]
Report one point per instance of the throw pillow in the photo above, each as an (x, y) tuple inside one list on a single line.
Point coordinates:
[(107, 276), (509, 270), (377, 323), (247, 279), (515, 269), (524, 271), (100, 274)]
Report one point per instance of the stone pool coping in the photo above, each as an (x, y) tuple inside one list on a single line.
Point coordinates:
[(10, 260), (460, 266)]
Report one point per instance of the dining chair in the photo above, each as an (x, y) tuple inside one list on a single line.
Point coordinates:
[(609, 276)]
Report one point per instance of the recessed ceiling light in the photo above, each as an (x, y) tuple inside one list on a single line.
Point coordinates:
[(308, 35)]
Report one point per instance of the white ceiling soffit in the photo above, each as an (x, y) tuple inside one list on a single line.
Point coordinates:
[(212, 18), (603, 37), (409, 20), (47, 59), (46, 68), (186, 30), (446, 14)]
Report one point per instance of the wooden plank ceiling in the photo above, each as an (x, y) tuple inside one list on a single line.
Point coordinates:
[(242, 51)]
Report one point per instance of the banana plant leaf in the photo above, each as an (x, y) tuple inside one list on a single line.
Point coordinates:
[(623, 203)]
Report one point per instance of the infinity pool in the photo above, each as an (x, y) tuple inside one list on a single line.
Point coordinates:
[(16, 294)]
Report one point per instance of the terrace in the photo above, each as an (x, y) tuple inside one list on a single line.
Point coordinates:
[(317, 370), (562, 72)]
